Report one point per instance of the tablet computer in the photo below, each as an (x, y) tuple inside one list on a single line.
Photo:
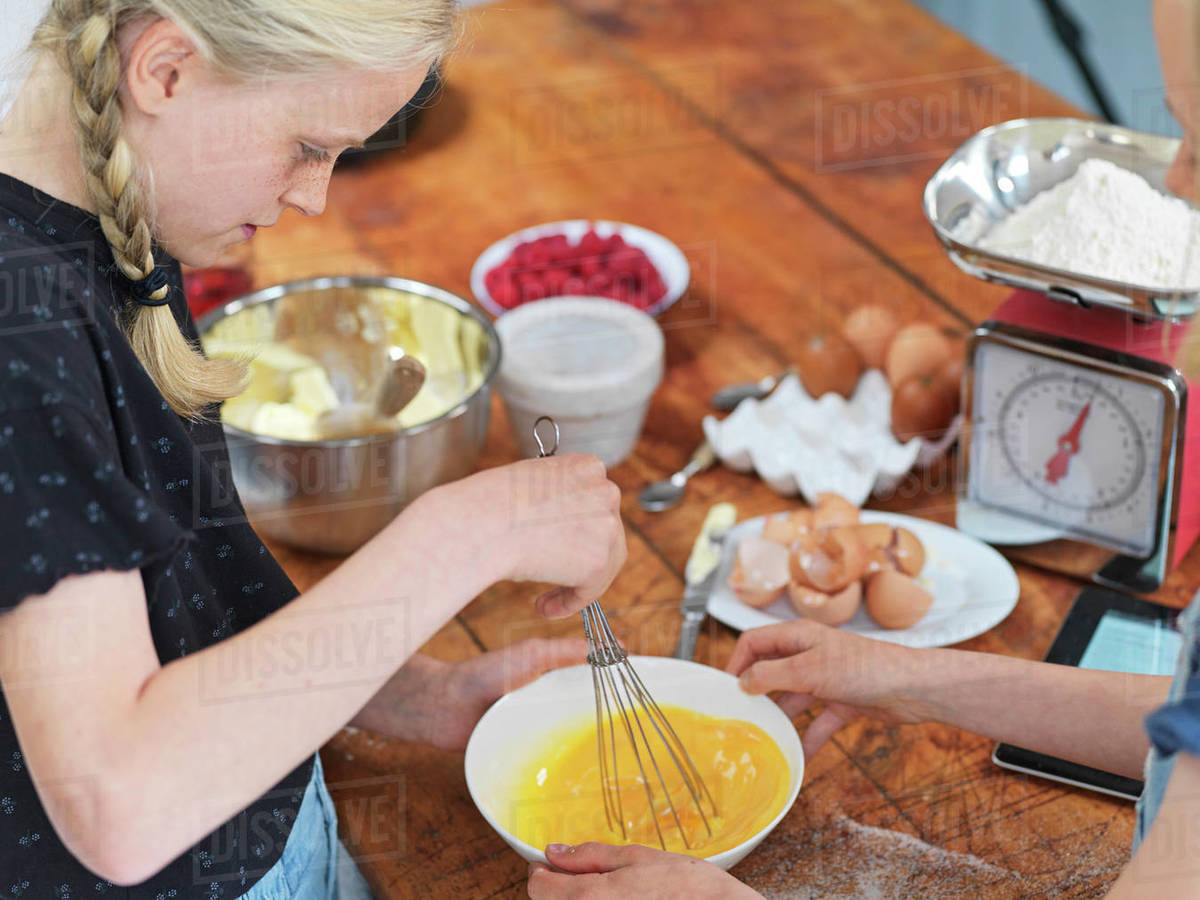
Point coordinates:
[(1117, 633)]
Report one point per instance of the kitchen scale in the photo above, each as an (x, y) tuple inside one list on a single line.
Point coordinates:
[(1081, 448), (1081, 442)]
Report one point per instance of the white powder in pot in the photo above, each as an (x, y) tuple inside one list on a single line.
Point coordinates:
[(1107, 222)]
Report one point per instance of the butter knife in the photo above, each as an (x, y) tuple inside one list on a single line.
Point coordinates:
[(700, 574)]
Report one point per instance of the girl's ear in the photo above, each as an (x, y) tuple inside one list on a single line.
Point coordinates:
[(161, 64)]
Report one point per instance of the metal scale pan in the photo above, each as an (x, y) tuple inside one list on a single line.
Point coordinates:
[(1000, 168)]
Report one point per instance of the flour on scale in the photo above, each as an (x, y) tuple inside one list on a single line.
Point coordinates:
[(1107, 222)]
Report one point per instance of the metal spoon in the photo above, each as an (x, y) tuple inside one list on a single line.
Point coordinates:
[(401, 382), (729, 397), (344, 331), (404, 379), (660, 495), (355, 367)]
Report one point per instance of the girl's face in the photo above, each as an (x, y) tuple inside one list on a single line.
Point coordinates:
[(228, 158)]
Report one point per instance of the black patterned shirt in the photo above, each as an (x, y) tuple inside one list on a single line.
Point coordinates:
[(96, 472)]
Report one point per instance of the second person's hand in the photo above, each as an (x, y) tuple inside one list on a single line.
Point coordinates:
[(438, 703), (600, 871), (852, 675)]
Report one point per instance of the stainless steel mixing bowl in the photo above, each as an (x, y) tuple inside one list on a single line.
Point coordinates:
[(333, 496)]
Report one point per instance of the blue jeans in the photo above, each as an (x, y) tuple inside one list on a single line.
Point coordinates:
[(314, 864), (1175, 726)]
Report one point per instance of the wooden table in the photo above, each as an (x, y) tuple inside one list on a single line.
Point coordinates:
[(775, 144)]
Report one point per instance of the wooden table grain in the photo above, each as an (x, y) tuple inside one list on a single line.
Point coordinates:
[(783, 146)]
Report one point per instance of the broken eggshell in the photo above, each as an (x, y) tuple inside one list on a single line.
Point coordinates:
[(787, 528), (828, 560), (876, 536), (828, 609), (833, 510), (806, 446), (760, 571), (894, 600), (907, 551), (891, 548)]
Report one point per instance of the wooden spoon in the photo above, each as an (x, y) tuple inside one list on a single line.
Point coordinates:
[(355, 367)]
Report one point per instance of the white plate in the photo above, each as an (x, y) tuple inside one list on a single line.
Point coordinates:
[(974, 588), (1002, 529), (672, 265)]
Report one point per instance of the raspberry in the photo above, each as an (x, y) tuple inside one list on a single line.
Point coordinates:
[(550, 266)]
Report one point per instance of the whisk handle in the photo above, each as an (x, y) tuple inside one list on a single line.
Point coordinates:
[(688, 633)]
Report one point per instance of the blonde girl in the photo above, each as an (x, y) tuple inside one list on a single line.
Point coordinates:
[(165, 688)]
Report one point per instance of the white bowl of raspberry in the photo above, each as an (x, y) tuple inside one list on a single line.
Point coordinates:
[(581, 257)]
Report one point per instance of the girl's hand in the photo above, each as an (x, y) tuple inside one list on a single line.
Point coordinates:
[(555, 520), (851, 674), (597, 871), (438, 703)]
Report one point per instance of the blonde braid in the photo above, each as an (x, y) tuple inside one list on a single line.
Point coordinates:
[(187, 380)]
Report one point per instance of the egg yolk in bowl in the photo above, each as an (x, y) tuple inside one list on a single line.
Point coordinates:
[(557, 797)]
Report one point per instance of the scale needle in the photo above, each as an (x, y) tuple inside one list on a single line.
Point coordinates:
[(1068, 446)]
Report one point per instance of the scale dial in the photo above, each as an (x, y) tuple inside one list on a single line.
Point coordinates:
[(1074, 446)]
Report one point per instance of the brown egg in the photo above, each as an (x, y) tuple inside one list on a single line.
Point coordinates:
[(786, 529), (828, 609), (922, 406), (907, 551), (833, 510), (869, 330), (760, 571), (828, 560), (951, 377), (917, 349), (896, 601), (827, 363)]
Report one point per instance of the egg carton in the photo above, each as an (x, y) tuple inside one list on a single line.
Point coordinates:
[(804, 446)]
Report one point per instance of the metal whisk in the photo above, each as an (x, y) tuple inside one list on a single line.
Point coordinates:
[(626, 711)]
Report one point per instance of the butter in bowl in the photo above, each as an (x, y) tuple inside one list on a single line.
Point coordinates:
[(298, 377)]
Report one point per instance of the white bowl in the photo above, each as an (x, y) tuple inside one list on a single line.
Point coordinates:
[(672, 265), (517, 726), (590, 362)]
